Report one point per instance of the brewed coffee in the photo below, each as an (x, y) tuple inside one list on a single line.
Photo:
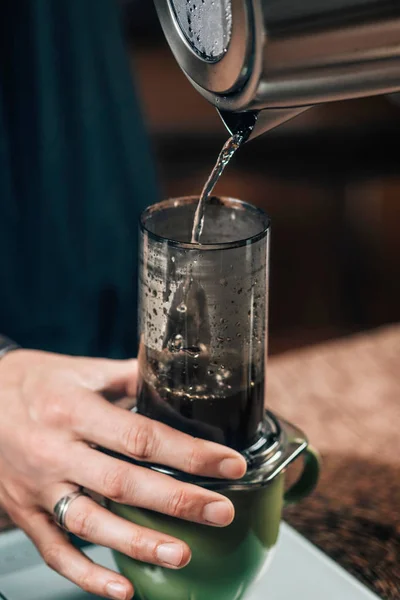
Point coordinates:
[(201, 398)]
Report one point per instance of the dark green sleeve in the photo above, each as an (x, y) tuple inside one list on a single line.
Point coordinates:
[(75, 172)]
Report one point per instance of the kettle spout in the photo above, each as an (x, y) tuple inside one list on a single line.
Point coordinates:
[(255, 122)]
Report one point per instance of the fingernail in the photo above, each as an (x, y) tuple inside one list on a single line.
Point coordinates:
[(170, 554), (116, 590), (218, 513), (232, 468)]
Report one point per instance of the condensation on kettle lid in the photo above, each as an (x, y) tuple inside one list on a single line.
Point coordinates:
[(206, 25)]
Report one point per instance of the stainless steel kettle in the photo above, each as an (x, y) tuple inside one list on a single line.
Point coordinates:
[(269, 60)]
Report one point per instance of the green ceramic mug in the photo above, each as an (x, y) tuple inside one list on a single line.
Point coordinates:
[(225, 561)]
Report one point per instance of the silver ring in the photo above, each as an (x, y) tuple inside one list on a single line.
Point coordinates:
[(61, 508)]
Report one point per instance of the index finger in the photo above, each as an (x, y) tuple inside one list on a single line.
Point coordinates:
[(143, 439)]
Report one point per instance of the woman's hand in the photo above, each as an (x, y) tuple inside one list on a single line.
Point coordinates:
[(52, 416)]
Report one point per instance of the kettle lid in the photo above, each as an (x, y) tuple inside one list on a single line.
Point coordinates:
[(211, 40)]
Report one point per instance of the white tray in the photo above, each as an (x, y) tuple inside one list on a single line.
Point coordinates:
[(299, 571)]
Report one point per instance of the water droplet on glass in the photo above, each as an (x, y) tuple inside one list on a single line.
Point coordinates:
[(162, 367), (182, 308), (175, 343), (222, 376), (193, 351), (173, 258)]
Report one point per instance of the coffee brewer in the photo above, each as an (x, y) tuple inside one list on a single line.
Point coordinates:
[(203, 322), (269, 60)]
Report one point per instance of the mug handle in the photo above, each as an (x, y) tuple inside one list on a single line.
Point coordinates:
[(307, 480)]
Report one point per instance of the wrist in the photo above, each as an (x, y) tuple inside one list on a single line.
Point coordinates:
[(7, 345)]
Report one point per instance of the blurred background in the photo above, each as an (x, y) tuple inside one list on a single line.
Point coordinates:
[(330, 181)]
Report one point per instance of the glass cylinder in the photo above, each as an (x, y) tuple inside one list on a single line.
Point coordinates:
[(203, 319)]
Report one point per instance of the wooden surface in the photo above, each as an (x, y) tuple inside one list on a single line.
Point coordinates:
[(346, 396)]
